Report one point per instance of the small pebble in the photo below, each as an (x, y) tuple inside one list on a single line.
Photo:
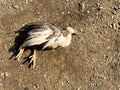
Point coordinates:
[(79, 88), (62, 83), (45, 76), (113, 26), (68, 12), (26, 1), (63, 13), (15, 6), (5, 74), (36, 86)]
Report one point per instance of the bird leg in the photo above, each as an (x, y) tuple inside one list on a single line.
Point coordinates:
[(33, 58), (21, 50)]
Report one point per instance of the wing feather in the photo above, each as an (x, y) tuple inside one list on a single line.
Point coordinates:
[(42, 33), (34, 41), (37, 38)]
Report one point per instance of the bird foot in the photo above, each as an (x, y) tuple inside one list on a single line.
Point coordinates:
[(33, 60), (19, 54)]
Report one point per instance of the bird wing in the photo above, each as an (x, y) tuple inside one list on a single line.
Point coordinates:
[(51, 43), (37, 38), (43, 33), (52, 38)]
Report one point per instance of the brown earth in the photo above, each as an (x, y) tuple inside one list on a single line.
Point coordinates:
[(91, 62)]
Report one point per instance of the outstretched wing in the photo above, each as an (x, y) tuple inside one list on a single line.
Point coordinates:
[(40, 34)]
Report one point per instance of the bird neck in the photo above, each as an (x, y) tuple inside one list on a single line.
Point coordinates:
[(67, 40)]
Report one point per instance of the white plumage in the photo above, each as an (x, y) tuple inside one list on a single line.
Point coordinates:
[(44, 34)]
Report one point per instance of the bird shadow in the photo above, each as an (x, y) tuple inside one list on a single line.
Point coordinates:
[(19, 40)]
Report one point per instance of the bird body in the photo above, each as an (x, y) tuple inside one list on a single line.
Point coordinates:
[(47, 34)]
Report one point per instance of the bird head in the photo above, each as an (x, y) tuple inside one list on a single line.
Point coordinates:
[(72, 31)]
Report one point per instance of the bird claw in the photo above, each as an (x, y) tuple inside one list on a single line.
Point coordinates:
[(19, 54), (33, 60), (18, 57)]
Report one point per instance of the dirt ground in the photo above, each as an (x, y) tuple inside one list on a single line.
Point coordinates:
[(91, 62)]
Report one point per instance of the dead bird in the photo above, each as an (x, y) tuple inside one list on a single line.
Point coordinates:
[(45, 34)]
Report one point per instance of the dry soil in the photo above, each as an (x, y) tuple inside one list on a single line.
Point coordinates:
[(91, 62)]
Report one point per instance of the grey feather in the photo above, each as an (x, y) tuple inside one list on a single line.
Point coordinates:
[(43, 33)]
